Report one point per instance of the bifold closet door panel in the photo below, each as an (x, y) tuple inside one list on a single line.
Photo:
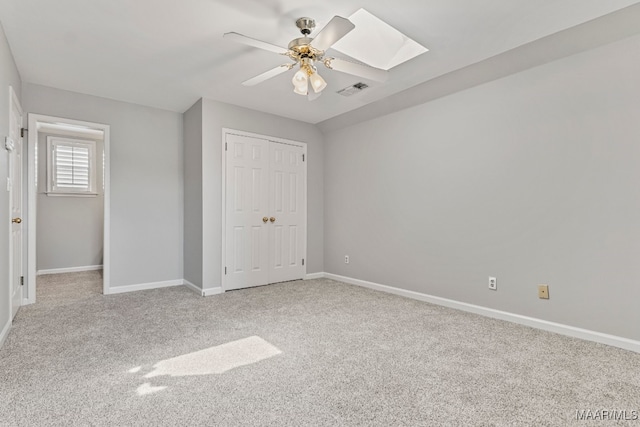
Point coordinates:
[(247, 206), (287, 209)]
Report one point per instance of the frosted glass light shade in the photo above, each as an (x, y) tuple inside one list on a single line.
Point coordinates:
[(301, 89), (317, 82), (300, 82), (300, 78)]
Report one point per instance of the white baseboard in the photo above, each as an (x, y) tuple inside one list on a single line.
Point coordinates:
[(69, 270), (202, 292), (558, 328), (5, 333), (144, 286), (169, 283), (193, 287), (312, 276), (212, 291)]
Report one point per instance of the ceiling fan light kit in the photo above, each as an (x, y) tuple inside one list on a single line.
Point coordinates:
[(305, 76), (300, 82), (317, 82), (306, 52)]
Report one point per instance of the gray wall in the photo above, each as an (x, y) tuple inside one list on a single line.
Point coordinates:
[(70, 229), (193, 194), (532, 178), (146, 180), (8, 77), (217, 115)]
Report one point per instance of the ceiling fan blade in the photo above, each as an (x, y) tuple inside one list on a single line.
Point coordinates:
[(239, 38), (267, 75), (336, 29), (359, 70)]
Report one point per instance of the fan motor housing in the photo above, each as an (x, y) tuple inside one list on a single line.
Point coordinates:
[(306, 25), (300, 45)]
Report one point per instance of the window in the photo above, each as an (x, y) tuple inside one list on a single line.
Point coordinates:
[(71, 165)]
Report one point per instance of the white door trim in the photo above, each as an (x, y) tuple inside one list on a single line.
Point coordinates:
[(13, 100), (32, 191), (225, 132)]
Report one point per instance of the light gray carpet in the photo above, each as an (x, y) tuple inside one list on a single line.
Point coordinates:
[(347, 356)]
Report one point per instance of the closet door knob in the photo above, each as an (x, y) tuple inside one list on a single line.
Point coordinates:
[(272, 219), (19, 220), (265, 219)]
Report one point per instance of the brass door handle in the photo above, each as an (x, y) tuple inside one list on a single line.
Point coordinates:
[(265, 219), (272, 219), (17, 220)]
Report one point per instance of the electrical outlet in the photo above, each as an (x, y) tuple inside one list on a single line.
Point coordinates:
[(346, 259), (543, 291), (493, 283)]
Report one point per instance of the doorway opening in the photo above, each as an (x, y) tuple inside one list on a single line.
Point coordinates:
[(68, 199)]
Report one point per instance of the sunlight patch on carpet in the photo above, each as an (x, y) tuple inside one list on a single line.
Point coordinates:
[(216, 360), (147, 388)]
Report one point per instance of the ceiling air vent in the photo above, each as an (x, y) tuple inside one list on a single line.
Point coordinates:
[(352, 90)]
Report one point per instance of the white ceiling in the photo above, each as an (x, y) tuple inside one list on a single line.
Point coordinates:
[(168, 54)]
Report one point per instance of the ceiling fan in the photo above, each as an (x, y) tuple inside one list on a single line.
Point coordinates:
[(306, 52)]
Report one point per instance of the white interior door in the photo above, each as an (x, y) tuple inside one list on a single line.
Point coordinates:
[(15, 190), (288, 213), (247, 206), (265, 212)]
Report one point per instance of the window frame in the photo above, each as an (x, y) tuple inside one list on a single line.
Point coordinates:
[(52, 188)]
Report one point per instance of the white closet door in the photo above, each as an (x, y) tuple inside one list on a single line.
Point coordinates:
[(287, 210), (247, 205)]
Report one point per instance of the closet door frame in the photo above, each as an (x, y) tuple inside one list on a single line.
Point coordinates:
[(223, 148)]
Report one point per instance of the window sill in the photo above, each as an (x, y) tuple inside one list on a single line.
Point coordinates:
[(57, 194)]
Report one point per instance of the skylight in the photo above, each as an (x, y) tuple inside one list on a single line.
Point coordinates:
[(376, 43)]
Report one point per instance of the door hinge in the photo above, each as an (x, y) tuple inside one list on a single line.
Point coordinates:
[(22, 131), (225, 146), (21, 280), (225, 270), (302, 261), (303, 157)]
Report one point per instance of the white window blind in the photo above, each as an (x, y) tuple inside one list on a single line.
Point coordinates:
[(71, 166)]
